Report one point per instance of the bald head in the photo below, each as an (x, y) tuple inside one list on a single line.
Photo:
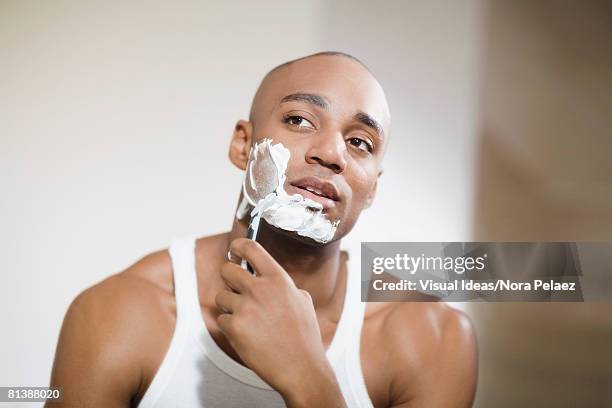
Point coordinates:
[(319, 54), (322, 72)]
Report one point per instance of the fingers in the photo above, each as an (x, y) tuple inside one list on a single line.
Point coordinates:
[(256, 255), (232, 258), (235, 277), (227, 301), (223, 320)]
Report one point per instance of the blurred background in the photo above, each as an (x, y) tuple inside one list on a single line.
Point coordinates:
[(115, 119)]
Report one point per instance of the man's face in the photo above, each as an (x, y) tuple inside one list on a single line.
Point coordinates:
[(332, 115)]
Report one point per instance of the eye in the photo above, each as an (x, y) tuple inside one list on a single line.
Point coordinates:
[(298, 121), (360, 144)]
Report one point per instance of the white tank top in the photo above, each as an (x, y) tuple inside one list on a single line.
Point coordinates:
[(196, 372)]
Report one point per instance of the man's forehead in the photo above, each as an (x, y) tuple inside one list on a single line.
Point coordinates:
[(345, 85)]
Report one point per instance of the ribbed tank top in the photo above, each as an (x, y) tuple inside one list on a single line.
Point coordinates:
[(196, 372)]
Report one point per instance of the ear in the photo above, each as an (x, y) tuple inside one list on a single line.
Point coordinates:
[(240, 145), (372, 193)]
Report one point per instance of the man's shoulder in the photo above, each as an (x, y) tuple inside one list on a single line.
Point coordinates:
[(112, 330), (124, 306), (431, 316), (137, 293), (417, 333), (153, 271), (425, 340), (148, 276), (428, 326)]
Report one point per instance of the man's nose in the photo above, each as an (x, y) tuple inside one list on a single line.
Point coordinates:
[(329, 150)]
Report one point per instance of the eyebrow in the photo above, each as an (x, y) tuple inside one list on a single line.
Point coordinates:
[(322, 102), (370, 122), (314, 99)]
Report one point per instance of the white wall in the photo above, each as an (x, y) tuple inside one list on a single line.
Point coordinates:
[(115, 118)]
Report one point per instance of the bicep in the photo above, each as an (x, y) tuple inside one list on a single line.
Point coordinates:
[(450, 379), (87, 365)]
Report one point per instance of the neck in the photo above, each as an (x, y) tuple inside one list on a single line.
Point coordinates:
[(315, 268)]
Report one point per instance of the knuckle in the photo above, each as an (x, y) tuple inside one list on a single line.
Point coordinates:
[(227, 271), (220, 301), (225, 268), (227, 323), (250, 245), (237, 326), (223, 321)]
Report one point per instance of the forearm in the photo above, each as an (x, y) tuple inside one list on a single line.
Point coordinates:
[(318, 388)]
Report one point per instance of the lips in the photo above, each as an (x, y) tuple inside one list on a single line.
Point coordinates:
[(321, 191)]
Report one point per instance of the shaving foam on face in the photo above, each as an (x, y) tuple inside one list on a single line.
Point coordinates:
[(289, 212)]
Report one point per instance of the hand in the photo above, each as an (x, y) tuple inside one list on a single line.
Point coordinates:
[(270, 322)]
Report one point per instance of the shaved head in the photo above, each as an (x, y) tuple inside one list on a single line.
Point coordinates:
[(319, 54), (325, 55)]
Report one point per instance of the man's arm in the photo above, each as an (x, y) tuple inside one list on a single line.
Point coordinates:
[(441, 350), (95, 357)]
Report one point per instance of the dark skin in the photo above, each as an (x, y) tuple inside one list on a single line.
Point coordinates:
[(115, 334)]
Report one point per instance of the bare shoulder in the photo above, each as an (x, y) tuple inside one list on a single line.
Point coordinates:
[(434, 353), (115, 304), (105, 339), (431, 326)]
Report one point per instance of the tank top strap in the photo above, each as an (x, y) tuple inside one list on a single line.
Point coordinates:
[(354, 298), (349, 327), (352, 361), (182, 254)]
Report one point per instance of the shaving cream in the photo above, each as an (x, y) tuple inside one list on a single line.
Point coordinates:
[(289, 212)]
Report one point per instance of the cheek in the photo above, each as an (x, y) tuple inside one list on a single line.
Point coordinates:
[(361, 181)]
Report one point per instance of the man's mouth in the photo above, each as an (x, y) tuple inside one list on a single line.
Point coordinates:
[(321, 191)]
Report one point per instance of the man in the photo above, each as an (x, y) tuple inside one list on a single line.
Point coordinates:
[(284, 336)]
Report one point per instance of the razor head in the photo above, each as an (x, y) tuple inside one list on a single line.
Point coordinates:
[(262, 174)]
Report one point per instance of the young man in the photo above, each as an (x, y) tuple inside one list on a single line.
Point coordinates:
[(188, 327)]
